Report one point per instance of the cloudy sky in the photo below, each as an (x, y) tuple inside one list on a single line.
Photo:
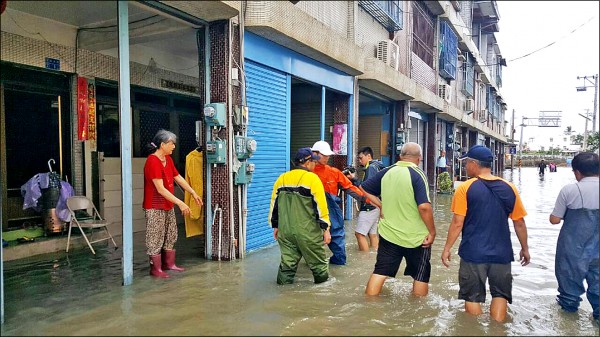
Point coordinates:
[(567, 34)]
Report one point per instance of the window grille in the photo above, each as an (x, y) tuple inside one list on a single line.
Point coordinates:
[(387, 13), (448, 54)]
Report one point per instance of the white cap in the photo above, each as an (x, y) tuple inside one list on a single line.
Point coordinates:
[(323, 148)]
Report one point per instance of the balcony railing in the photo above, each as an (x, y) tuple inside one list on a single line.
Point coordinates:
[(387, 13)]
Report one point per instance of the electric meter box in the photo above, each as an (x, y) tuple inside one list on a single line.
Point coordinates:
[(214, 114), (244, 173), (244, 147), (216, 152)]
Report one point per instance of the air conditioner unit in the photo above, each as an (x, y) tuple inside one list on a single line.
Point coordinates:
[(461, 56), (469, 104), (444, 91), (479, 77), (389, 52)]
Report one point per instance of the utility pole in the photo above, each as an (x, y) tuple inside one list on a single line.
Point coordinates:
[(585, 132), (512, 138), (584, 88), (521, 139)]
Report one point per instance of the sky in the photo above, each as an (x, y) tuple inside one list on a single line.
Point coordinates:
[(546, 80)]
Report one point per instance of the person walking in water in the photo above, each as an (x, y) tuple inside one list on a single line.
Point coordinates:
[(406, 229), (577, 246), (333, 180), (368, 215), (300, 219), (542, 167), (482, 206), (160, 176)]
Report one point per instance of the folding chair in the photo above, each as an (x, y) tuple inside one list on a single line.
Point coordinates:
[(76, 205)]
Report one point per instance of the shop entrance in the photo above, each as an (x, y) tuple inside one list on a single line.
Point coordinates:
[(35, 129)]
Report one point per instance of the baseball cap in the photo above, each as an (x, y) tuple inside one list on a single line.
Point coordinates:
[(305, 154), (323, 148), (479, 152)]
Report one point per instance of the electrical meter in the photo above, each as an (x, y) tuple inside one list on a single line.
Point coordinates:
[(244, 147), (214, 114), (244, 173), (216, 152)]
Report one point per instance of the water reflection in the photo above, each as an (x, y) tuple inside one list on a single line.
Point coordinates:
[(80, 294)]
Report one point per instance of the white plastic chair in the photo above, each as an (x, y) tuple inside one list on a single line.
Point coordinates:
[(92, 222)]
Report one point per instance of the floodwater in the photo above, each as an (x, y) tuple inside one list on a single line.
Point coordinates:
[(81, 294)]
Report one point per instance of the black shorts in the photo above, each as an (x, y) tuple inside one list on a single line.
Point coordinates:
[(472, 278), (389, 257)]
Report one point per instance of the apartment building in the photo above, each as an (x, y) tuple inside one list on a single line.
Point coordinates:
[(245, 82)]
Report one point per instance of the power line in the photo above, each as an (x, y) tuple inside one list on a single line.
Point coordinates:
[(551, 43)]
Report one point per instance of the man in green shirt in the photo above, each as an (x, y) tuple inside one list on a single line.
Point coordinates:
[(406, 227)]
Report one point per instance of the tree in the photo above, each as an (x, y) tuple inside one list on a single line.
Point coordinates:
[(593, 141)]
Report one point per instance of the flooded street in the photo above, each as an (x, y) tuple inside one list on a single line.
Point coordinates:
[(80, 294)]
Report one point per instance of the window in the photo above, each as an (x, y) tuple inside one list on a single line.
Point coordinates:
[(468, 86), (448, 51), (423, 33), (387, 13)]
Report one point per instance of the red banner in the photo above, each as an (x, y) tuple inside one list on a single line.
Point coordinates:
[(91, 96), (82, 108)]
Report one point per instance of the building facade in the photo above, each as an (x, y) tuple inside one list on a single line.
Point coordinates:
[(247, 83)]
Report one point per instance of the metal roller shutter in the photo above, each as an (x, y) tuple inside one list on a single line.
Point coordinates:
[(306, 125), (267, 103)]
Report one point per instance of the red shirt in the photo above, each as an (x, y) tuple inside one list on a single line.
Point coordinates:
[(154, 169)]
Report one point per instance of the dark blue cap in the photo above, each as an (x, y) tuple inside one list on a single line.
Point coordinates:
[(479, 152), (305, 154)]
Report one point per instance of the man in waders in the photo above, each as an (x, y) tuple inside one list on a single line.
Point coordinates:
[(333, 180), (577, 246), (300, 219)]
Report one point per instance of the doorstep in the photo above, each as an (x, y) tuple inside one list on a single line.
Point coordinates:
[(41, 245)]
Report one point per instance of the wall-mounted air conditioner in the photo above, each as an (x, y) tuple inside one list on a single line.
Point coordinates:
[(461, 55), (479, 77), (389, 52), (469, 104), (445, 91)]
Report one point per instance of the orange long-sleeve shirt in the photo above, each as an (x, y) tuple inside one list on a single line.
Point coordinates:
[(333, 180)]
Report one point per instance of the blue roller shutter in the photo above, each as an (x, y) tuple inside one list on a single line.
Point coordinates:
[(268, 112)]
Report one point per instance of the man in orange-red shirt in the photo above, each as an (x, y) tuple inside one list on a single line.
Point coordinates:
[(333, 180)]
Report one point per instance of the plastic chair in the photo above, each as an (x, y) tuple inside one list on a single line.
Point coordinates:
[(76, 205)]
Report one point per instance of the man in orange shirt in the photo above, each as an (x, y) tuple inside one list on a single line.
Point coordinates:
[(333, 180)]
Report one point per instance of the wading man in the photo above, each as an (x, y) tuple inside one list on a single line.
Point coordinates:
[(406, 229), (300, 219), (482, 206)]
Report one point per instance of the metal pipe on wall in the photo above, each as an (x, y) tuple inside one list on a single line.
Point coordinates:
[(60, 149), (230, 140)]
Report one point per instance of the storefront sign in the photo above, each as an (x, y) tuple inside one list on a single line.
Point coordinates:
[(91, 97), (179, 86), (340, 139), (82, 108)]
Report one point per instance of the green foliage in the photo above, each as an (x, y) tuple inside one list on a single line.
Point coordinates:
[(593, 141), (445, 183)]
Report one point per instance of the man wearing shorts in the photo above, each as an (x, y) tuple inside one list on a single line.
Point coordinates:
[(368, 215), (406, 228), (481, 207)]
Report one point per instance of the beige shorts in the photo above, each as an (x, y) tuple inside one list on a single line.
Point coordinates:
[(367, 222)]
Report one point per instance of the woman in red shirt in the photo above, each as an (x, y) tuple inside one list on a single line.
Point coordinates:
[(160, 176)]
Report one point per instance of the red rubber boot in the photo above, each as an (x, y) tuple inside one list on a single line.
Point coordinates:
[(168, 261), (155, 269)]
